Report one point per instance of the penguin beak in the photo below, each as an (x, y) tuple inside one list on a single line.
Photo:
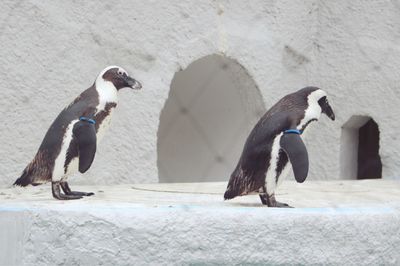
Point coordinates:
[(327, 109), (132, 83)]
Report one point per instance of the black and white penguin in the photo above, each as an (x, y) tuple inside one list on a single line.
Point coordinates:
[(275, 140), (70, 143)]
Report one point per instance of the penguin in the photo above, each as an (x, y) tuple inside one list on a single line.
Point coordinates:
[(274, 141), (70, 143)]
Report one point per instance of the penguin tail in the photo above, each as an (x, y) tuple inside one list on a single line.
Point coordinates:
[(243, 182), (230, 194), (236, 186), (25, 178), (36, 173)]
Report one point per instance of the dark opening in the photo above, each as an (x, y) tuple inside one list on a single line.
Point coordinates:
[(369, 161)]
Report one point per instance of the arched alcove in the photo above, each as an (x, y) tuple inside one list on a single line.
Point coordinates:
[(359, 150), (211, 108)]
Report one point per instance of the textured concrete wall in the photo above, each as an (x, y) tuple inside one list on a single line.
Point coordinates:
[(357, 56), (52, 50)]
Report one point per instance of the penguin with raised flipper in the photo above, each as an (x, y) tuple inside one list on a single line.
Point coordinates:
[(275, 140), (70, 143)]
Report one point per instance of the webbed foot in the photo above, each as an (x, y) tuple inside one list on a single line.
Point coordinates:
[(65, 187), (55, 188), (282, 205), (270, 201)]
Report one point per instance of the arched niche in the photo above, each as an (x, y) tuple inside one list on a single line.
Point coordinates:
[(211, 108), (359, 150)]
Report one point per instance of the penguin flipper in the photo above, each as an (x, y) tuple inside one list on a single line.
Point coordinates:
[(85, 134), (294, 147)]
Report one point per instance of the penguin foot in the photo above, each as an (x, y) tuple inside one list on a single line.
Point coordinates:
[(78, 193), (65, 187), (66, 197), (263, 198), (270, 201), (55, 188), (282, 205)]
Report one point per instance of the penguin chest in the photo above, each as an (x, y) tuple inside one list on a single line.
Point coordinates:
[(283, 168), (62, 162), (71, 168), (278, 166), (70, 154), (103, 119)]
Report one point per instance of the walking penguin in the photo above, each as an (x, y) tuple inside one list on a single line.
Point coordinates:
[(275, 140)]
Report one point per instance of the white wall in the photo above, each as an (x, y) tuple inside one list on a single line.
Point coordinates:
[(52, 50), (358, 57)]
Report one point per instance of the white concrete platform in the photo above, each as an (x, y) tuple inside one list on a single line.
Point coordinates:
[(334, 222)]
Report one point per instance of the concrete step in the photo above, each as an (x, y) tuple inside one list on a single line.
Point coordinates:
[(334, 222)]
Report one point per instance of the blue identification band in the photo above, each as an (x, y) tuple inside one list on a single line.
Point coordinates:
[(86, 119), (292, 131)]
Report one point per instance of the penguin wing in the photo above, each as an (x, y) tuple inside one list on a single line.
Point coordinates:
[(294, 147), (85, 134)]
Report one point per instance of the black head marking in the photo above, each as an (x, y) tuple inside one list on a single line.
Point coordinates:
[(120, 79), (326, 108)]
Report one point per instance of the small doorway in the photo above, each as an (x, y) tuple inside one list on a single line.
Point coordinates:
[(369, 161), (359, 150)]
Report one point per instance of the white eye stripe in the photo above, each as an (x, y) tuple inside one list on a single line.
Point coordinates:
[(122, 72)]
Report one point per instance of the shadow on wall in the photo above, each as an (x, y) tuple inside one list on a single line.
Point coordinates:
[(211, 108), (359, 150)]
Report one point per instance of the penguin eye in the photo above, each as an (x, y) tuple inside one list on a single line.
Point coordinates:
[(119, 72)]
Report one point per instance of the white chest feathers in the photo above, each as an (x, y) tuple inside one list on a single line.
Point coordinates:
[(108, 99), (270, 179), (104, 125)]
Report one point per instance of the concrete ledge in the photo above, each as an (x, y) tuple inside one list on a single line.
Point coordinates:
[(340, 222)]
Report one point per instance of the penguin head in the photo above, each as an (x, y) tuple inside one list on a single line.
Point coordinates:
[(318, 101), (119, 78), (326, 108)]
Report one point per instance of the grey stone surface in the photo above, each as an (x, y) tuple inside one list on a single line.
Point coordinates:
[(52, 50), (335, 223)]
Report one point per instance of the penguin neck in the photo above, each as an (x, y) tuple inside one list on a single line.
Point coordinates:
[(107, 93), (313, 110)]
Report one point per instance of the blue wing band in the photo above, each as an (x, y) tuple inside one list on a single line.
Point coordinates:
[(292, 131), (86, 119)]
